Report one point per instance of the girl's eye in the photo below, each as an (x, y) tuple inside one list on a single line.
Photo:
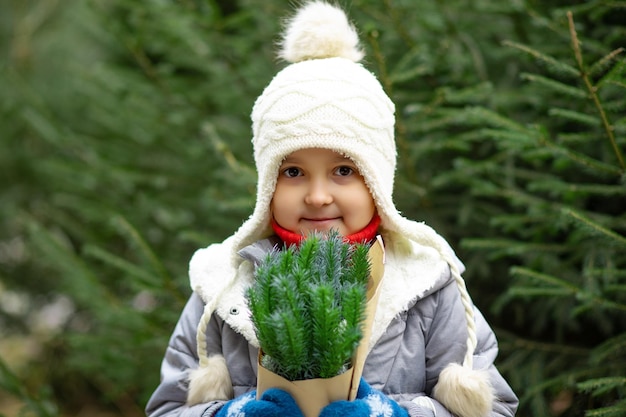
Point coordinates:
[(291, 172), (344, 171)]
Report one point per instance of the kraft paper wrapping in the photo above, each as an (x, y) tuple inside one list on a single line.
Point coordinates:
[(312, 395)]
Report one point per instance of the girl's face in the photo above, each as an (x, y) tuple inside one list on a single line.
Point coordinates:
[(320, 190)]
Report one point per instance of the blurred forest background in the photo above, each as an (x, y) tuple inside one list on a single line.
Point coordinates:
[(125, 146)]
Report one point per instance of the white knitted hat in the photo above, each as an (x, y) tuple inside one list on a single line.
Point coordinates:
[(326, 99)]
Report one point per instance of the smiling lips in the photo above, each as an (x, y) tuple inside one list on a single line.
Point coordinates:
[(321, 222)]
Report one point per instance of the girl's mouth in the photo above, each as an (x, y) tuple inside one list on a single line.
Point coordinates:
[(321, 223)]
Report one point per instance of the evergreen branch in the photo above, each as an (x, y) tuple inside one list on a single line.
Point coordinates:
[(144, 62), (586, 189), (330, 259), (574, 116), (122, 264), (554, 85), (520, 291), (287, 259), (399, 23), (406, 70), (618, 273), (580, 158), (149, 254), (326, 319), (469, 95), (301, 279), (593, 91), (479, 116), (605, 62), (596, 228), (359, 266), (262, 294), (549, 279), (563, 379), (379, 57), (286, 290), (616, 410), (573, 137), (543, 21), (353, 303), (291, 345), (518, 196), (387, 82), (475, 52), (222, 148), (516, 343), (512, 247), (598, 386), (307, 251), (618, 83), (512, 138), (79, 280), (552, 63), (353, 306), (261, 298), (345, 252), (264, 332), (613, 347), (573, 290)]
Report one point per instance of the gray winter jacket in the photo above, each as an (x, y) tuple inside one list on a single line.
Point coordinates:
[(425, 335)]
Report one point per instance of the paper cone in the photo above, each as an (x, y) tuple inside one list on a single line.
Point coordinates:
[(312, 395), (377, 268)]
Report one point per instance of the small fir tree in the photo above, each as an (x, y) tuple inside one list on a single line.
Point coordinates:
[(308, 304)]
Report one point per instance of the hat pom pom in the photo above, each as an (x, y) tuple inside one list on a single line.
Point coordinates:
[(319, 30), (465, 392), (210, 382)]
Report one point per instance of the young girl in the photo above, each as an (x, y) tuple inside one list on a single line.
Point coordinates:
[(325, 153)]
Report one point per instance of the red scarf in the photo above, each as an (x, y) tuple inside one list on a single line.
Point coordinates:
[(365, 235)]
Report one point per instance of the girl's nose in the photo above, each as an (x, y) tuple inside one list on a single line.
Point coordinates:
[(318, 194)]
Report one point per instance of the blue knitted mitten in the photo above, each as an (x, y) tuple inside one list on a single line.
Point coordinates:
[(368, 403), (273, 403)]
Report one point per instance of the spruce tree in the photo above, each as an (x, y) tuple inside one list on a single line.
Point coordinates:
[(542, 170)]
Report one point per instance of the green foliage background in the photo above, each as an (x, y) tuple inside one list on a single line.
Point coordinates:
[(125, 145)]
